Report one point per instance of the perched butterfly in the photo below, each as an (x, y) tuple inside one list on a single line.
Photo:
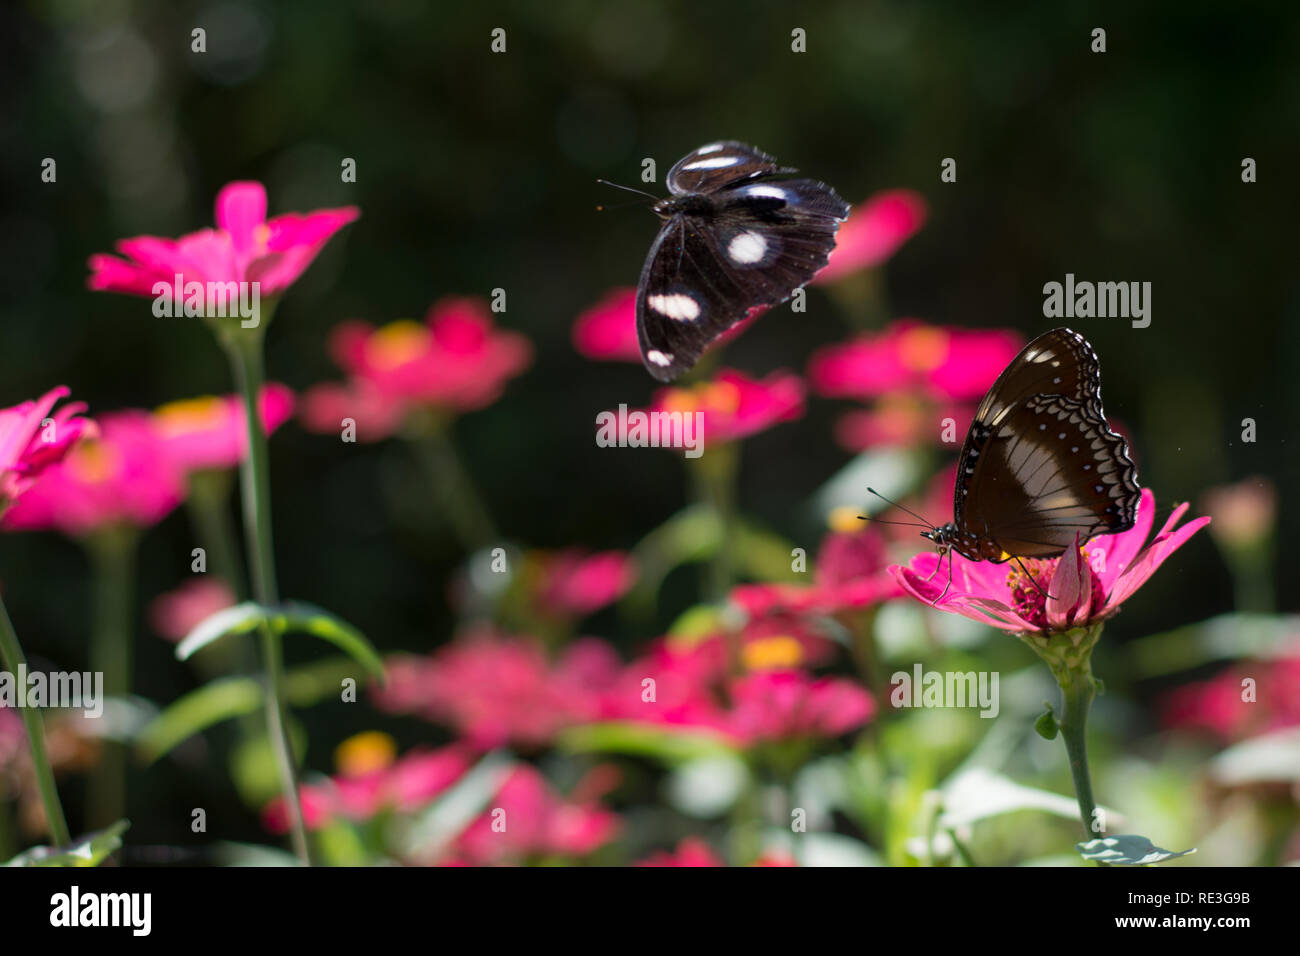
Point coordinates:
[(736, 235), (1041, 467)]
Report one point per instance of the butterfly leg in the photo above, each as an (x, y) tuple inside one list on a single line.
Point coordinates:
[(946, 586)]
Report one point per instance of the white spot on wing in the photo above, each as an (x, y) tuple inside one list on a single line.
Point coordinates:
[(711, 148), (747, 248), (676, 306), (766, 192), (716, 162), (654, 355)]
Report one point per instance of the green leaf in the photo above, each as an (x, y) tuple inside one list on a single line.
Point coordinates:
[(645, 740), (979, 793), (289, 617), (1046, 726), (1270, 757), (89, 850), (310, 619), (1225, 637), (1127, 849), (443, 820), (240, 619), (198, 710)]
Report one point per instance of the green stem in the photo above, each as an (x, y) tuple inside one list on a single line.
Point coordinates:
[(458, 499), (1077, 692), (11, 655), (715, 486), (208, 502), (112, 553), (247, 362)]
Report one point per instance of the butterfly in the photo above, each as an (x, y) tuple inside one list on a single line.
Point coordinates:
[(736, 235), (1041, 468)]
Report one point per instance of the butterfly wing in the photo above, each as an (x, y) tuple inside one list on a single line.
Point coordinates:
[(1059, 362), (1050, 472), (759, 243), (718, 165)]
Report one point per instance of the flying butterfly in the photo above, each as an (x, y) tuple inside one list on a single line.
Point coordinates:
[(738, 233), (1041, 467)]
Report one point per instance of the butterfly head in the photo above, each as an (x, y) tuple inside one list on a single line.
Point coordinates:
[(942, 536), (689, 204)]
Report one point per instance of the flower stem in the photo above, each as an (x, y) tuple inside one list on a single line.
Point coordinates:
[(247, 363), (457, 496), (11, 656), (112, 553), (1077, 692), (715, 486)]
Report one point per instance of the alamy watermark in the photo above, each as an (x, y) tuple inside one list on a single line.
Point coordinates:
[(209, 300), (1086, 300), (70, 690), (923, 688), (642, 429)]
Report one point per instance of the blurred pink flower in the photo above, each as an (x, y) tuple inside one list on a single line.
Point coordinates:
[(850, 573), (874, 231), (1244, 513), (691, 851), (32, 439), (125, 476), (209, 432), (496, 690), (943, 361), (779, 705), (529, 819), (245, 247), (405, 786), (1084, 585), (901, 419), (1222, 707), (576, 583), (175, 613), (455, 361), (735, 405), (607, 331), (327, 406)]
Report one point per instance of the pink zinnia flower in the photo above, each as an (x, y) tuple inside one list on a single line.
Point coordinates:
[(573, 583), (850, 573), (901, 419), (606, 332), (125, 476), (245, 247), (32, 439), (537, 822), (495, 689), (691, 851), (779, 705), (175, 613), (1084, 585), (946, 362), (735, 405), (404, 786), (455, 361), (1220, 705), (873, 232), (210, 432)]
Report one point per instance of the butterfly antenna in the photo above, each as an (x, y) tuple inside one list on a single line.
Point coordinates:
[(928, 524), (639, 192), (1032, 579)]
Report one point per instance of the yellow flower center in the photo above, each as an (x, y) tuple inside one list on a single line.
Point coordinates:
[(365, 753), (770, 653), (93, 462), (398, 343), (190, 415), (923, 349)]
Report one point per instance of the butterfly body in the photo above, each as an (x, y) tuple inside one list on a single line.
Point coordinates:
[(737, 235), (1041, 469)]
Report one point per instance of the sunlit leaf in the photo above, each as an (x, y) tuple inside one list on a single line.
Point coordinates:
[(89, 850), (1273, 756), (296, 616), (671, 746), (240, 619), (1127, 849), (198, 710)]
